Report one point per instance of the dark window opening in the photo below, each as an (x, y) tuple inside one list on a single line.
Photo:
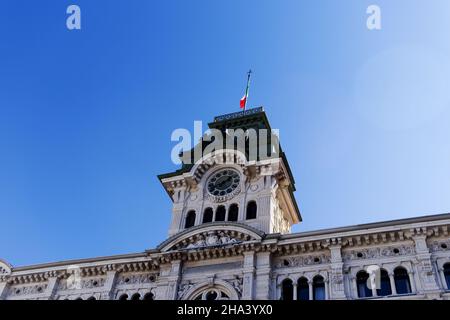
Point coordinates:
[(208, 215), (302, 289), (287, 290), (251, 210), (361, 282), (148, 296), (233, 212), (190, 219), (402, 283), (220, 213), (318, 288), (385, 284)]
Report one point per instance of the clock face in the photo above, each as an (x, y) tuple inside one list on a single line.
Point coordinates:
[(223, 182)]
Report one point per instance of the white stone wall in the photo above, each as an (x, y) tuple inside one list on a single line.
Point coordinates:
[(253, 268)]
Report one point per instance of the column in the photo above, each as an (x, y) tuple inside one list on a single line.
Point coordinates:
[(442, 276), (412, 281), (310, 284), (392, 280), (355, 287), (278, 289), (326, 289), (294, 291)]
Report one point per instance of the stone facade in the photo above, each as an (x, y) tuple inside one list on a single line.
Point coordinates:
[(223, 247)]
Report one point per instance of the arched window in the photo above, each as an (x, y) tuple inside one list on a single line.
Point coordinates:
[(447, 274), (79, 298), (148, 296), (318, 288), (251, 210), (302, 289), (190, 219), (233, 212), (220, 213), (287, 290), (208, 215), (123, 297), (385, 284), (91, 298), (136, 296), (361, 282), (210, 295), (402, 284)]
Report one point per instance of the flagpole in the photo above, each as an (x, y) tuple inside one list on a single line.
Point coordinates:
[(246, 89)]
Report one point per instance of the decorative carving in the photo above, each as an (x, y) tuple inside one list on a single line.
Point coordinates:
[(373, 253), (442, 245), (136, 279), (28, 290), (213, 239), (300, 261), (183, 288), (237, 285), (85, 284)]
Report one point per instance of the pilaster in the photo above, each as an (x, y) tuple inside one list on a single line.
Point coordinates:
[(263, 281), (4, 286), (249, 272), (336, 278)]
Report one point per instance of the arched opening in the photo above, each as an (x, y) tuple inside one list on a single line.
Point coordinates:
[(251, 210), (287, 290), (220, 213), (318, 288), (208, 215), (302, 289), (79, 298), (361, 282), (402, 284), (447, 275), (149, 296), (233, 212), (91, 298), (136, 296), (123, 297), (211, 295), (190, 219), (385, 284)]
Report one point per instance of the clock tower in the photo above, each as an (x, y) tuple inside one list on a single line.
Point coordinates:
[(243, 178)]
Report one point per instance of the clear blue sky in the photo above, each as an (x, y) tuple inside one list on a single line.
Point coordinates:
[(86, 116)]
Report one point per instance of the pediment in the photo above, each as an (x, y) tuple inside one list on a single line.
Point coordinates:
[(215, 234), (5, 268)]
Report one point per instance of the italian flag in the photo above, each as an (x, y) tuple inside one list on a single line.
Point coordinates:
[(243, 102)]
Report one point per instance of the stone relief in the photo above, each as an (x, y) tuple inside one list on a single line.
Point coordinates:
[(372, 253), (183, 288), (237, 285), (136, 279), (212, 239), (28, 290), (300, 261), (85, 284), (442, 245)]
